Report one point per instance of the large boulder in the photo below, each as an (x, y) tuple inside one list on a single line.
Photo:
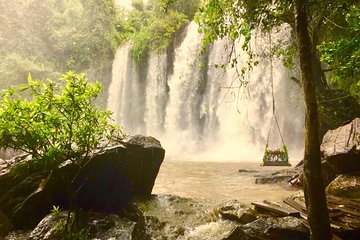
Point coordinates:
[(5, 225), (347, 186), (111, 179), (341, 147), (107, 183)]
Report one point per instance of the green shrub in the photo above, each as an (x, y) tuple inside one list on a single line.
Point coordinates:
[(54, 121)]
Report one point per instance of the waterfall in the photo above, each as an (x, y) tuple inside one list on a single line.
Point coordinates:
[(126, 98), (197, 110)]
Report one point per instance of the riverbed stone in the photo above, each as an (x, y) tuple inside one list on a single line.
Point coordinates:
[(94, 225), (235, 211), (50, 227), (279, 176), (238, 234), (341, 147), (347, 186), (281, 228)]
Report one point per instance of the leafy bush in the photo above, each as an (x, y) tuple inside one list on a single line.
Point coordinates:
[(54, 122), (343, 55), (152, 28)]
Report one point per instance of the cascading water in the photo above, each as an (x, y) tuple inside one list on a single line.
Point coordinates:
[(196, 109)]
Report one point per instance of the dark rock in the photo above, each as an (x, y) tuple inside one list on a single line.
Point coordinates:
[(277, 228), (107, 182), (236, 212), (280, 176), (111, 179), (341, 147), (239, 234), (51, 191), (270, 228), (347, 186), (5, 225), (96, 225), (50, 228)]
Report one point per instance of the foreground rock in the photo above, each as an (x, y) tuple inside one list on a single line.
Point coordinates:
[(107, 182), (271, 228), (236, 212), (347, 186), (341, 147), (174, 218), (5, 225)]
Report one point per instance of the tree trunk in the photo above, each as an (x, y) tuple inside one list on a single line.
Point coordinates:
[(314, 189)]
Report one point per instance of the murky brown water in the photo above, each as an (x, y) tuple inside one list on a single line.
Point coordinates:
[(217, 181)]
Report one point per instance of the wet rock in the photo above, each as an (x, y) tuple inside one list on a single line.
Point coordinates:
[(110, 180), (341, 147), (213, 230), (148, 227), (106, 183), (347, 186), (277, 228), (94, 225), (235, 211), (5, 225), (168, 217), (238, 234), (50, 228), (280, 176), (50, 191), (108, 226)]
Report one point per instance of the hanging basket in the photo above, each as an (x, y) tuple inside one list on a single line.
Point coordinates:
[(276, 157)]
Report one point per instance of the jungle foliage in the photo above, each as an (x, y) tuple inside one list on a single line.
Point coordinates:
[(342, 54), (54, 121), (48, 37), (152, 27)]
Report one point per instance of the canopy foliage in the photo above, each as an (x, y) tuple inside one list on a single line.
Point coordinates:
[(152, 27), (47, 37)]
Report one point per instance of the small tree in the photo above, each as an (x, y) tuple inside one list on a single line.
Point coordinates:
[(54, 121)]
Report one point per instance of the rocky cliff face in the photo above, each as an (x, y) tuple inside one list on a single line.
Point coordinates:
[(109, 180)]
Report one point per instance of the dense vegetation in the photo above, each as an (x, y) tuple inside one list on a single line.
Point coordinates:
[(152, 27), (49, 37), (342, 53), (60, 121)]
